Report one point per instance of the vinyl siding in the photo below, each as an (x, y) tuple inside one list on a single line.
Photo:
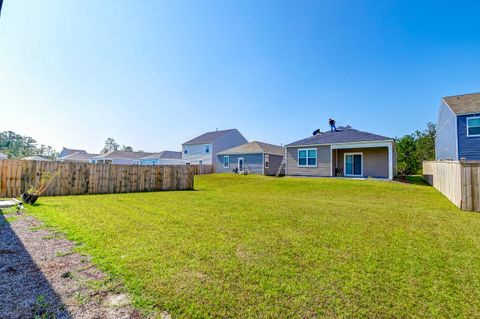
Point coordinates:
[(446, 139), (468, 147), (163, 161), (253, 163), (230, 140), (196, 153), (275, 161), (323, 162), (375, 160)]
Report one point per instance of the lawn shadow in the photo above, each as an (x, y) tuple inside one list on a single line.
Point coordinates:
[(24, 291), (412, 179)]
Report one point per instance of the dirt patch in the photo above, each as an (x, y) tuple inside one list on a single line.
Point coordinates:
[(41, 276)]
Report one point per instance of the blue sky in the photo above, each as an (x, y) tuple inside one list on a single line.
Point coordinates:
[(153, 74)]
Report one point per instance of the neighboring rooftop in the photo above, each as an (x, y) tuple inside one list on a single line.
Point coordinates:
[(164, 154), (209, 137), (464, 104), (78, 156), (123, 155), (69, 151), (255, 147), (342, 135)]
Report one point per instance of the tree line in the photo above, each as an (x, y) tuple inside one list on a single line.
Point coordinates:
[(415, 148), (18, 146)]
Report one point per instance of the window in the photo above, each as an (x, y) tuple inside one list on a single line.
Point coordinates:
[(267, 161), (307, 157), (226, 161), (185, 152), (473, 126), (207, 148), (200, 162)]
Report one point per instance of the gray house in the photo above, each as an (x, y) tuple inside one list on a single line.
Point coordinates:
[(346, 152), (254, 157), (458, 128), (204, 148), (163, 158), (69, 151), (77, 157), (119, 157)]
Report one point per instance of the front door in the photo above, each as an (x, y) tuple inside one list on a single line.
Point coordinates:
[(241, 164), (353, 164)]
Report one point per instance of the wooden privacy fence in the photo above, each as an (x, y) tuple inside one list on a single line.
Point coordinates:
[(203, 169), (459, 181), (17, 176)]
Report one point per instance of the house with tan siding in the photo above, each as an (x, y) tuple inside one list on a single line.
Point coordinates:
[(345, 152)]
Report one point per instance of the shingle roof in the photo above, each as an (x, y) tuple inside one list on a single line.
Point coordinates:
[(164, 154), (255, 147), (343, 135), (464, 104), (69, 151), (123, 155), (209, 137), (78, 156)]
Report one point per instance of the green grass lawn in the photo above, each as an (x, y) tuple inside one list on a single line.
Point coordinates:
[(259, 247)]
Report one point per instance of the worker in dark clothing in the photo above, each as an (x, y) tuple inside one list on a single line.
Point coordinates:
[(331, 122)]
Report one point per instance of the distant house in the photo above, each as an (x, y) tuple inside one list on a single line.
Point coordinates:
[(35, 158), (163, 158), (254, 157), (78, 157), (3, 156), (69, 151), (204, 148), (458, 128), (346, 152), (120, 157)]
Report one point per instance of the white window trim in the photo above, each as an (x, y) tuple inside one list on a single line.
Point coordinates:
[(307, 149), (266, 163), (345, 164), (228, 161), (468, 131)]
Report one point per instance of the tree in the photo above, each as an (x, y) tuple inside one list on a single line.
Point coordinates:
[(127, 148), (407, 162), (415, 148), (17, 146), (426, 143), (110, 146)]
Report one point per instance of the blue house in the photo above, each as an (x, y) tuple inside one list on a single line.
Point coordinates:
[(458, 128), (252, 158)]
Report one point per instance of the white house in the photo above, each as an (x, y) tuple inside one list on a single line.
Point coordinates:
[(163, 158), (119, 157), (203, 149), (3, 156)]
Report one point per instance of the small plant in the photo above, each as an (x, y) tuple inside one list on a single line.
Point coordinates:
[(32, 194)]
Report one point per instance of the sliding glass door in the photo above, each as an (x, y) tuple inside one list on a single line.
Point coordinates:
[(353, 164)]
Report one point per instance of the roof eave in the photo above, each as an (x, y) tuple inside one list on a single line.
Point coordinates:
[(325, 144)]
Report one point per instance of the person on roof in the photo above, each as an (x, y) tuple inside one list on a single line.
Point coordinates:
[(331, 122)]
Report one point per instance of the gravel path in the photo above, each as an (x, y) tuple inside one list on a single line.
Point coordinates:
[(42, 277)]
